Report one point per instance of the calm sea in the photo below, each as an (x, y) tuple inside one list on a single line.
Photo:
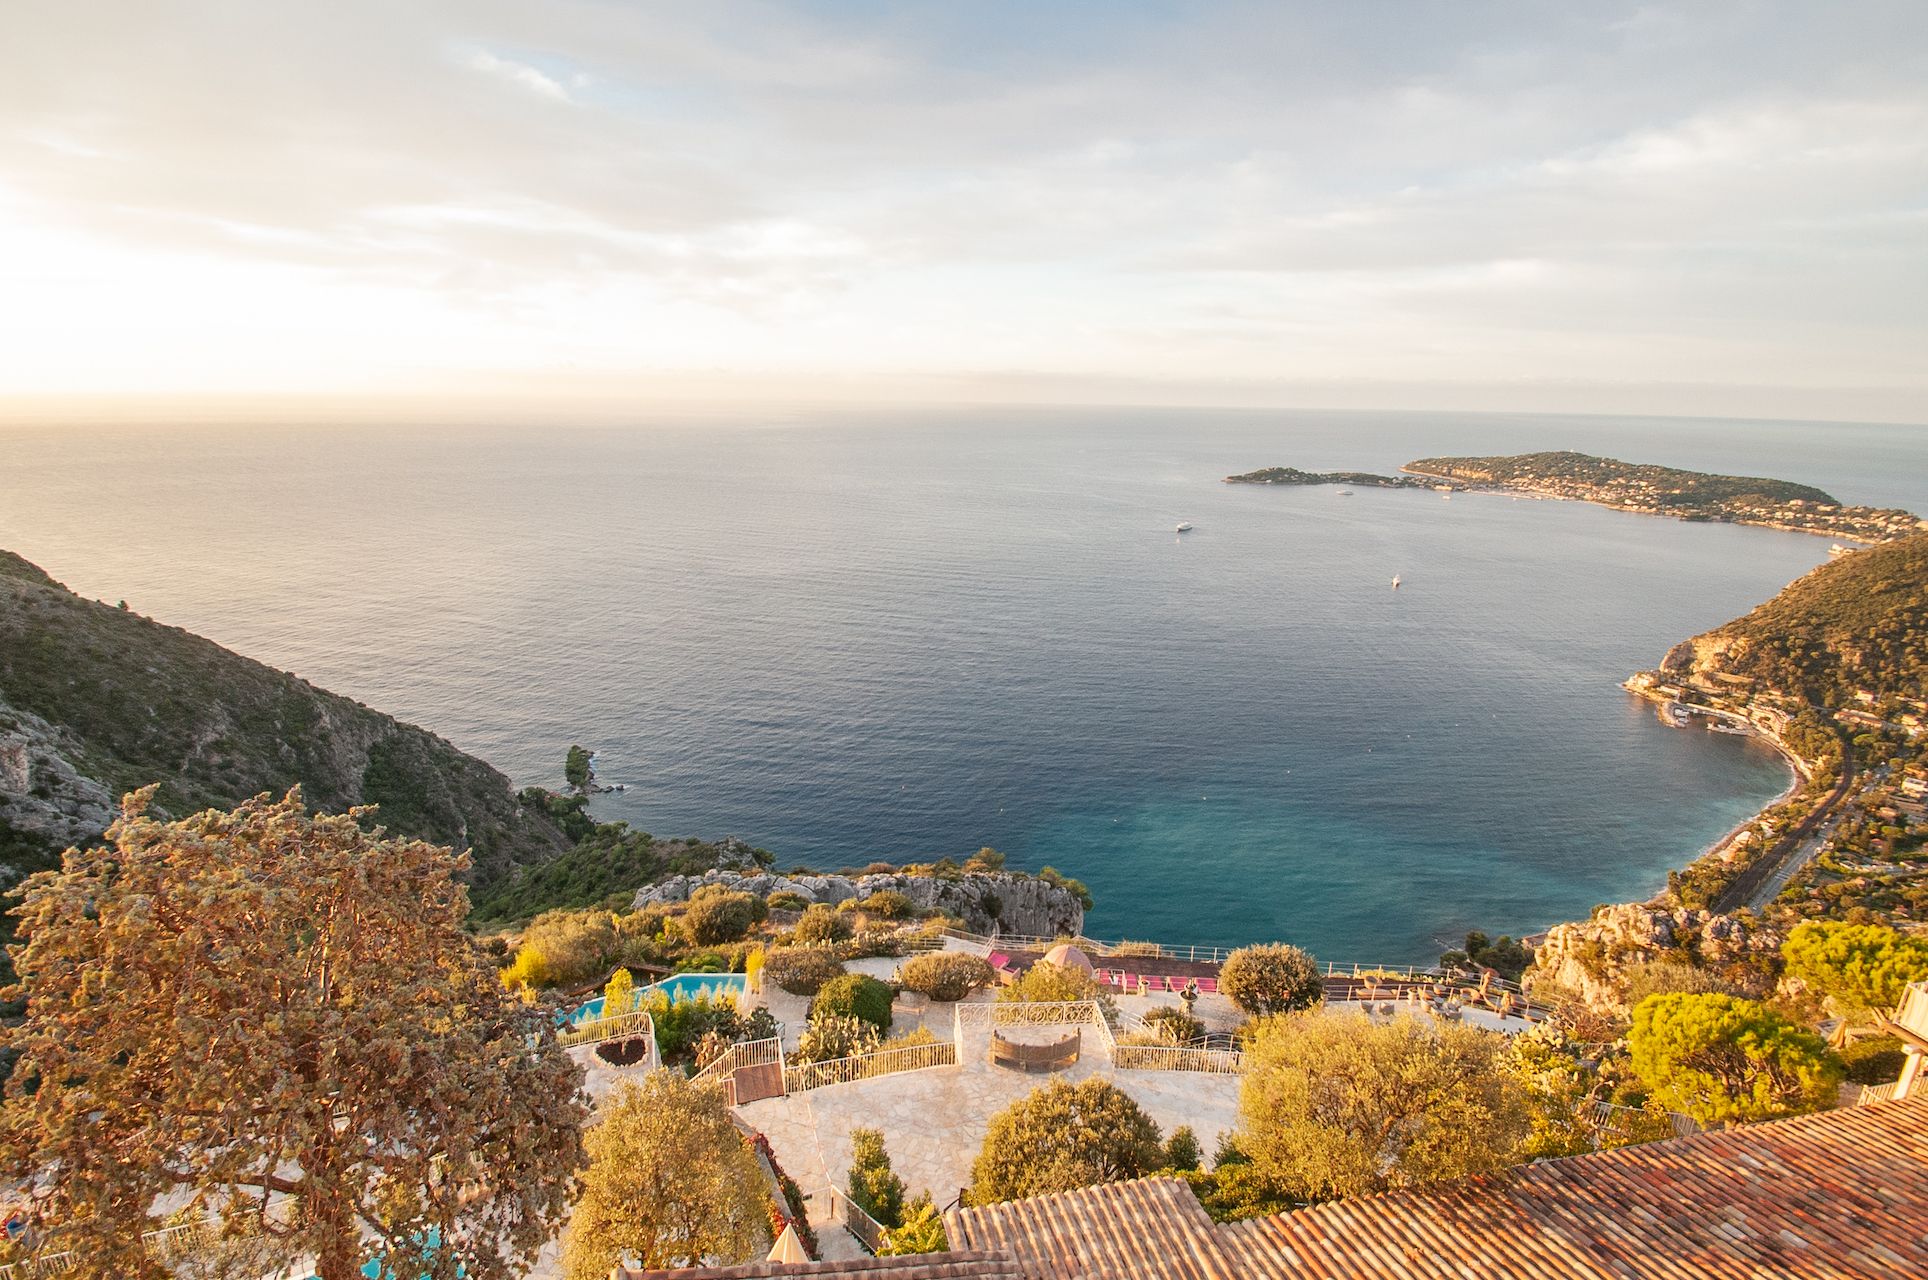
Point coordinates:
[(894, 635)]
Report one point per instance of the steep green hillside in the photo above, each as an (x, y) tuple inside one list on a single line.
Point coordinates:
[(93, 694), (1859, 622)]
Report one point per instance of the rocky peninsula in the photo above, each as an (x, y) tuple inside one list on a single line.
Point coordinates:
[(1625, 486)]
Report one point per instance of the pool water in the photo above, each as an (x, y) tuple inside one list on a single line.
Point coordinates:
[(680, 986)]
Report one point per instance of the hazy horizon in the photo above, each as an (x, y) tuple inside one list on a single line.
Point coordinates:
[(591, 210)]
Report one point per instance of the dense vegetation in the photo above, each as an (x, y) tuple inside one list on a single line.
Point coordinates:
[(1857, 623), (138, 703), (603, 869)]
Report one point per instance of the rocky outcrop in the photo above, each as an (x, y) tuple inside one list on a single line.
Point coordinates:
[(41, 792), (1591, 958), (1004, 902)]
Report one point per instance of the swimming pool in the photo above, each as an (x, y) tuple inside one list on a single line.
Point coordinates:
[(679, 986)]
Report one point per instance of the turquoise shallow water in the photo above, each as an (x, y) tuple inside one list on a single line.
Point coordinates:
[(848, 637)]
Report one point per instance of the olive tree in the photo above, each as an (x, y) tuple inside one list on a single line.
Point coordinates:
[(276, 1020), (1273, 978), (946, 975), (1062, 1137), (1339, 1105), (670, 1183)]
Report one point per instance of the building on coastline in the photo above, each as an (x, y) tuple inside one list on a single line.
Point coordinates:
[(1822, 1197)]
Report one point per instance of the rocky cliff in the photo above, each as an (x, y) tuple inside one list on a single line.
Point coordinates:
[(1005, 902), (1594, 959), (96, 701)]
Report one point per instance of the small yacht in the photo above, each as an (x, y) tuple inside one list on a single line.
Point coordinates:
[(1345, 493), (1184, 526), (1395, 582)]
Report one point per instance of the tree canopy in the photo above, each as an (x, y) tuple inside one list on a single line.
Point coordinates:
[(1273, 978), (1336, 1106), (670, 1183), (1725, 1060), (264, 1005), (1065, 1136), (1860, 968)]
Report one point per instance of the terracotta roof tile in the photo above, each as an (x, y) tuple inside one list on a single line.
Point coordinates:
[(962, 1265), (1825, 1197)]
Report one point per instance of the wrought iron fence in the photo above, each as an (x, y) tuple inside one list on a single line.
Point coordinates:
[(868, 1066)]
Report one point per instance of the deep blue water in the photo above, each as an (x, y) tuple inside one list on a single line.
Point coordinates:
[(878, 635)]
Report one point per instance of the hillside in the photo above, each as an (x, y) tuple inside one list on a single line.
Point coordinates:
[(1670, 485), (96, 701), (1858, 623)]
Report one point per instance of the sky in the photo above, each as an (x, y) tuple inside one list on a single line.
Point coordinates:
[(1716, 207)]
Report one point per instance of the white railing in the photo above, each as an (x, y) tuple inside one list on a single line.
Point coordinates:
[(621, 1026), (169, 1246), (745, 1053), (868, 1066), (1912, 1013), (1176, 1057), (870, 1232), (1613, 1117), (1860, 1095)]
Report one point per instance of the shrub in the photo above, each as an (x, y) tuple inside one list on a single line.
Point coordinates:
[(854, 995), (984, 862), (921, 1231), (1045, 982), (1173, 1026), (869, 944), (1274, 978), (946, 975), (801, 971), (1874, 1060), (1858, 968), (718, 915), (1076, 888), (1342, 1106), (836, 1036), (1062, 1137), (874, 1188), (753, 968), (888, 904), (566, 947), (785, 900), (820, 925), (1181, 1149), (619, 996), (1724, 1060)]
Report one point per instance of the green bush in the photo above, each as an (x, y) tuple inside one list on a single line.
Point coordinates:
[(946, 975), (1181, 1149), (835, 1036), (1874, 1060), (785, 900), (1724, 1060), (874, 1187), (1273, 978), (1062, 1137), (888, 904), (820, 925), (718, 915), (854, 995), (1173, 1026), (801, 971)]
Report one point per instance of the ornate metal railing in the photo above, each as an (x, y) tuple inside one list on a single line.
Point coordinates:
[(173, 1246), (868, 1066)]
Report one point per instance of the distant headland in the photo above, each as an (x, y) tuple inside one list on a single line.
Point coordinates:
[(1626, 486)]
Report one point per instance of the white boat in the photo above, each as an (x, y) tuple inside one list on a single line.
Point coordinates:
[(1184, 526), (1395, 582), (1345, 493)]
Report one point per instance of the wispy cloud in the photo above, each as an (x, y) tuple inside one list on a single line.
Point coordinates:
[(1609, 194)]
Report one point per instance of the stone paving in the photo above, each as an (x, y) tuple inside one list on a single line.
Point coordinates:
[(934, 1121)]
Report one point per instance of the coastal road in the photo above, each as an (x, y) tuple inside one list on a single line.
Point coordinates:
[(1763, 882)]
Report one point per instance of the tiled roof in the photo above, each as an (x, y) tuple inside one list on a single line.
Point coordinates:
[(1838, 1195), (1844, 1193), (1151, 1229), (964, 1265)]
